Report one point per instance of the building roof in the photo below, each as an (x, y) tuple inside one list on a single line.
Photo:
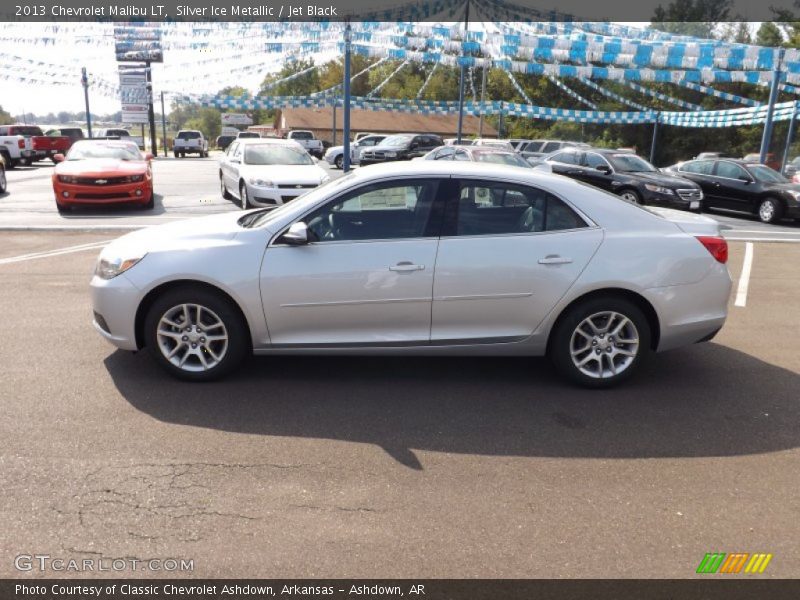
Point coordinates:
[(380, 121)]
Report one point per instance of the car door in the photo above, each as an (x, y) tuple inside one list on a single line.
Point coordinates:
[(732, 186), (597, 171), (567, 163), (233, 164), (508, 253), (366, 277)]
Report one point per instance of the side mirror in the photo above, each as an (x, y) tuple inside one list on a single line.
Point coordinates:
[(236, 160), (297, 235), (148, 156), (413, 146), (58, 158), (603, 169), (745, 180)]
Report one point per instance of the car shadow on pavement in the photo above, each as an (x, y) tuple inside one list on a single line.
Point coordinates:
[(706, 400)]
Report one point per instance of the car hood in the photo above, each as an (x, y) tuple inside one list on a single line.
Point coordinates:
[(662, 179), (99, 167), (200, 232), (782, 187), (284, 174)]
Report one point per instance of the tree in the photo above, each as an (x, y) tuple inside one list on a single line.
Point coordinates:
[(5, 117), (769, 35), (698, 18)]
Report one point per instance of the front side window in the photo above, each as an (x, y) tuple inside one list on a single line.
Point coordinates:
[(495, 208), (388, 210), (595, 160), (567, 158), (731, 170)]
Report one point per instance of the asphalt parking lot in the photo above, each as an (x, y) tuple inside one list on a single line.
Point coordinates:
[(386, 467)]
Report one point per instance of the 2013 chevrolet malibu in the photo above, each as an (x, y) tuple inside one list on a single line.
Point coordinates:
[(420, 258)]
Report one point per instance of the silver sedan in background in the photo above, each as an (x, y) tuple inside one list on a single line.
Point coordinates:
[(421, 257)]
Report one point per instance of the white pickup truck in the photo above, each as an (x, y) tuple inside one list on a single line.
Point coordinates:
[(190, 141), (307, 140), (16, 150)]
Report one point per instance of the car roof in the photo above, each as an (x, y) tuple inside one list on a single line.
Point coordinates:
[(270, 141)]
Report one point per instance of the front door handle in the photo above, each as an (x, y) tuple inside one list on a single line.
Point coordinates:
[(554, 259), (406, 266)]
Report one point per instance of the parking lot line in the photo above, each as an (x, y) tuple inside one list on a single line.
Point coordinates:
[(744, 278), (55, 252)]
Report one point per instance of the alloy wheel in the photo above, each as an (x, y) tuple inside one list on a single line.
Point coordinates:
[(192, 337), (631, 197), (604, 344), (766, 212)]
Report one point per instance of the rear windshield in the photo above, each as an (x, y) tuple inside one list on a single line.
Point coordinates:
[(27, 130), (302, 135), (248, 134), (189, 135), (118, 132)]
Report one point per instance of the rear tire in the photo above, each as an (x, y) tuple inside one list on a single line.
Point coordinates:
[(600, 342), (170, 332), (175, 154), (770, 210)]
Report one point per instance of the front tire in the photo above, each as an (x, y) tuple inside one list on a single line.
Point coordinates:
[(339, 162), (223, 189), (3, 181), (770, 210), (600, 342), (196, 334), (243, 196), (631, 196)]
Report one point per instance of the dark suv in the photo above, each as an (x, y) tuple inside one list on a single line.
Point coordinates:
[(404, 146), (627, 175)]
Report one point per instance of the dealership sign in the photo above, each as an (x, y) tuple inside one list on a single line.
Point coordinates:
[(133, 93), (236, 119), (138, 43)]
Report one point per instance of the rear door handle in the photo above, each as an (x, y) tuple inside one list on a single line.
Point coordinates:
[(553, 259), (405, 266)]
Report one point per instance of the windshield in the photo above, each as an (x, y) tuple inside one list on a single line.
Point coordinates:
[(630, 163), (766, 175), (259, 218), (498, 158), (84, 150), (396, 141), (269, 154)]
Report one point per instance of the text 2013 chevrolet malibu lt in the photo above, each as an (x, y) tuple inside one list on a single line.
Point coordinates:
[(421, 257)]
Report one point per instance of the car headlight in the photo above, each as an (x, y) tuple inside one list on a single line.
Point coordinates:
[(258, 182), (108, 268), (390, 154), (794, 194), (658, 189), (67, 179), (134, 178)]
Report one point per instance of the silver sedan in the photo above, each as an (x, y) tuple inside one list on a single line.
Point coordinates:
[(420, 257)]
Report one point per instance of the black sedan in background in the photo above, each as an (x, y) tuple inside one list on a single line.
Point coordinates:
[(743, 186), (404, 146), (626, 175)]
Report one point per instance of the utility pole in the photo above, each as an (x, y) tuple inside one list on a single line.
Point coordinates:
[(766, 138), (85, 83), (461, 81), (483, 98), (655, 135), (346, 107), (151, 115), (163, 127)]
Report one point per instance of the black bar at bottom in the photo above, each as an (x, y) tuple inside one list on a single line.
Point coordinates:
[(727, 587)]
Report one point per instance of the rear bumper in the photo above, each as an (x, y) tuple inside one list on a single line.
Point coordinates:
[(693, 312)]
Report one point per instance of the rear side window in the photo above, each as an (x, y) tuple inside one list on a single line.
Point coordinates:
[(551, 147), (496, 208)]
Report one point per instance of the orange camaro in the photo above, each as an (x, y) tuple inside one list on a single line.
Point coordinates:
[(103, 172)]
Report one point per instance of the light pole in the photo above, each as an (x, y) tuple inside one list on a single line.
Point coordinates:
[(85, 83)]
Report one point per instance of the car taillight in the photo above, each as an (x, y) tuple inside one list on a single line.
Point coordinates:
[(717, 246), (21, 143)]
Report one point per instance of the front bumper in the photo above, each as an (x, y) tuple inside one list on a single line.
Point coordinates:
[(272, 196), (673, 201), (85, 195), (114, 302)]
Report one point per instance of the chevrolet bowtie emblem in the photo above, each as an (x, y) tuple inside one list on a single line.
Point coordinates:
[(101, 181)]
